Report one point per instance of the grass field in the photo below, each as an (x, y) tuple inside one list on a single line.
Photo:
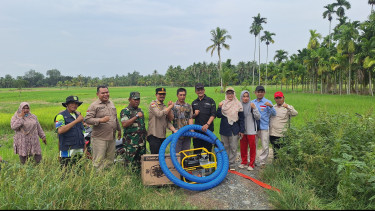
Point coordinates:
[(46, 103)]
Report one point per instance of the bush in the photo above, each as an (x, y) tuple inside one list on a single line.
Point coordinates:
[(336, 156)]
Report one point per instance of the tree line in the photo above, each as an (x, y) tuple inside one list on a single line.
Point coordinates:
[(341, 62)]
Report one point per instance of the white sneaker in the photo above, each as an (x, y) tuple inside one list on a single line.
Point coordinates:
[(250, 168), (241, 166)]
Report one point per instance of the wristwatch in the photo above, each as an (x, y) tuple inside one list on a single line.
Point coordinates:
[(137, 115)]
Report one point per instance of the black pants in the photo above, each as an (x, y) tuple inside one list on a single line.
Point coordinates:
[(155, 143), (66, 161), (37, 158), (276, 145), (198, 143)]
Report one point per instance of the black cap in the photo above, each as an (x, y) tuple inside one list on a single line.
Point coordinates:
[(161, 91), (71, 99), (199, 86), (260, 88), (135, 95)]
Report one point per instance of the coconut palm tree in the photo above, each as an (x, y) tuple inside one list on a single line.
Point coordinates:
[(267, 37), (279, 57), (328, 14), (219, 36)]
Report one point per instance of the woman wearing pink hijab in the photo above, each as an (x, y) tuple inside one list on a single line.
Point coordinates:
[(28, 131)]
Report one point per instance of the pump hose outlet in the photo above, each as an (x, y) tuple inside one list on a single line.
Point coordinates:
[(203, 183)]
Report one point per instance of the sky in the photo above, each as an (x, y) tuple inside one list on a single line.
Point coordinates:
[(107, 37)]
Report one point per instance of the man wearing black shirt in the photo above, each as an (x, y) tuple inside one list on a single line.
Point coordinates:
[(204, 113)]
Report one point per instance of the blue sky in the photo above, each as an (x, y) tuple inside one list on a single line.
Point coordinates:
[(108, 37)]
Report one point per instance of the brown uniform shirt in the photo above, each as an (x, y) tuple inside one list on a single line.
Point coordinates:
[(98, 110), (158, 120)]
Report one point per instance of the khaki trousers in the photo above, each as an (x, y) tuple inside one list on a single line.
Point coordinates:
[(264, 136), (230, 145), (103, 152)]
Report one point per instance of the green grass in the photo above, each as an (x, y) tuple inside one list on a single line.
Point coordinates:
[(46, 187)]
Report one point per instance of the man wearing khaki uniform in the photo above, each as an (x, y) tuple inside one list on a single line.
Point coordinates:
[(160, 117), (102, 115)]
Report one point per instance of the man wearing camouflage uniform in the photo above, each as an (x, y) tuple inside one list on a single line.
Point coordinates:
[(134, 138)]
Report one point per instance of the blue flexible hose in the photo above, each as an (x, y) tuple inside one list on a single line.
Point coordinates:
[(203, 183)]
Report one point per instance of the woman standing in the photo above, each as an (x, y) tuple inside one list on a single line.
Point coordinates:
[(232, 124), (28, 131), (251, 114)]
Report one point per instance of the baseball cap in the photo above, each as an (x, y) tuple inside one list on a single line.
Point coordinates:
[(199, 86), (161, 90), (135, 95), (278, 94), (260, 88)]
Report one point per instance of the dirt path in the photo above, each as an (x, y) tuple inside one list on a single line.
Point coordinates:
[(234, 192)]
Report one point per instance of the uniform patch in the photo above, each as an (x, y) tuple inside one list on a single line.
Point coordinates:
[(153, 105)]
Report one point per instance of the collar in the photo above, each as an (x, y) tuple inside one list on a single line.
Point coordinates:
[(202, 98), (178, 103)]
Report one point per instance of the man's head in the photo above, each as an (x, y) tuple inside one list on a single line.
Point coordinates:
[(72, 103), (134, 99), (181, 94), (259, 92), (229, 92), (199, 90), (160, 94), (102, 93), (279, 98)]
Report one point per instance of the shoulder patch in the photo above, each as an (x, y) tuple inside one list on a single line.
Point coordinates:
[(153, 105)]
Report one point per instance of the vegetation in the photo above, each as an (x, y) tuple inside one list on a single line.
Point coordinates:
[(341, 62), (327, 164)]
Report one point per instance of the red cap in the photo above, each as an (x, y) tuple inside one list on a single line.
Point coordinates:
[(279, 94)]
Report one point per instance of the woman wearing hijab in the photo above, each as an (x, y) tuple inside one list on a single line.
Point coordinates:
[(232, 124), (251, 114), (28, 131)]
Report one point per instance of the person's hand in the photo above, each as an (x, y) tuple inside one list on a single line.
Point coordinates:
[(253, 106), (205, 127), (22, 114), (220, 104), (196, 112), (104, 119), (79, 118), (285, 105), (241, 135), (268, 104), (44, 140), (140, 114), (118, 135)]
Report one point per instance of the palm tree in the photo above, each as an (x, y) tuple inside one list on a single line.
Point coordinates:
[(372, 2), (279, 57), (219, 36), (340, 4), (268, 38), (328, 14), (256, 28)]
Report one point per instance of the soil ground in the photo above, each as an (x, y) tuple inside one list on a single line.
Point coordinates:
[(234, 192)]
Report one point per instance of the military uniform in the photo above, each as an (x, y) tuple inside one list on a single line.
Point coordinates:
[(134, 138)]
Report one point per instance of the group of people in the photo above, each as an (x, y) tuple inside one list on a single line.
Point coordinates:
[(245, 120)]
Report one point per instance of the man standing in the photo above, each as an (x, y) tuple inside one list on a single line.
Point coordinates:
[(278, 123), (102, 115), (183, 115), (266, 110), (69, 126), (159, 119), (204, 113), (134, 138)]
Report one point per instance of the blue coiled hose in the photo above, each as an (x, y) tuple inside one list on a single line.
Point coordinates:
[(204, 183)]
